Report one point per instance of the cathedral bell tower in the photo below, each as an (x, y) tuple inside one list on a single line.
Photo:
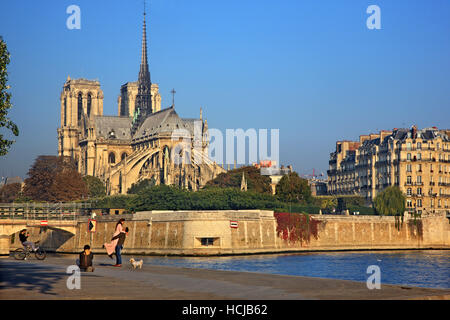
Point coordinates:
[(81, 100)]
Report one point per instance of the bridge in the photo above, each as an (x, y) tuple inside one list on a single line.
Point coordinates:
[(15, 217)]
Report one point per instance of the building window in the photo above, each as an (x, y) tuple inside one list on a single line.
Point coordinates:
[(419, 203), (408, 192), (408, 156), (408, 180), (419, 191), (419, 156), (208, 242), (419, 146), (419, 179), (80, 106), (65, 111), (112, 158), (408, 168), (409, 203), (408, 146), (124, 155), (89, 103)]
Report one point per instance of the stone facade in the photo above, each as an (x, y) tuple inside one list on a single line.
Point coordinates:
[(417, 161), (253, 231), (142, 142)]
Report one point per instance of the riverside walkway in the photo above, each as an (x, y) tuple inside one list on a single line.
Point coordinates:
[(32, 279)]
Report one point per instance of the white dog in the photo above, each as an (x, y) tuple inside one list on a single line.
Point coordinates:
[(136, 264)]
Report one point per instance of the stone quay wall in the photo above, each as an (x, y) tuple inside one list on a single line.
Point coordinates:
[(213, 233)]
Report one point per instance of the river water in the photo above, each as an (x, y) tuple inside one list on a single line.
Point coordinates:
[(427, 268)]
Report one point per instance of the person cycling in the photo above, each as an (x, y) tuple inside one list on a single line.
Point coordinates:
[(23, 235)]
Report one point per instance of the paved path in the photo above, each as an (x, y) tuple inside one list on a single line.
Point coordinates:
[(46, 279)]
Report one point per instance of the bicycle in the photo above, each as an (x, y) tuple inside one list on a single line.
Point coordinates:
[(24, 253)]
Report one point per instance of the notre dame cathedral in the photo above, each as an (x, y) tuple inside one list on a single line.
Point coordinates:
[(142, 142)]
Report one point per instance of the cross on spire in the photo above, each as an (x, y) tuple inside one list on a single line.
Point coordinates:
[(173, 97)]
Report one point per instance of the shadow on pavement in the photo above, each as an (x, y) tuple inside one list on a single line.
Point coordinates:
[(30, 276)]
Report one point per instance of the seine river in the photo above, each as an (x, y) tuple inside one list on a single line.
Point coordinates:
[(428, 268)]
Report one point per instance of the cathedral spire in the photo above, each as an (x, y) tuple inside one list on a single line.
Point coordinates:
[(143, 106), (144, 73)]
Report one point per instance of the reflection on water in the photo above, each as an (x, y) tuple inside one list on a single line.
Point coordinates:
[(411, 268)]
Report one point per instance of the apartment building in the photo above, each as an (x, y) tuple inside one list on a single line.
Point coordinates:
[(417, 161)]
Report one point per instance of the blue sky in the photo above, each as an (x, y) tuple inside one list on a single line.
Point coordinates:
[(309, 68)]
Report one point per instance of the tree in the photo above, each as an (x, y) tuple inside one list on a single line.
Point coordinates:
[(328, 202), (54, 179), (390, 202), (95, 187), (292, 188), (5, 100), (233, 178), (141, 185), (10, 192)]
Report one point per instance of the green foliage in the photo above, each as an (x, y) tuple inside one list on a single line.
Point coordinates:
[(325, 202), (292, 188), (362, 210), (139, 186), (233, 178), (114, 202), (352, 201), (390, 202), (5, 100), (95, 186), (172, 198)]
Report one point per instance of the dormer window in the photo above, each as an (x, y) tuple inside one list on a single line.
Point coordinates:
[(112, 134)]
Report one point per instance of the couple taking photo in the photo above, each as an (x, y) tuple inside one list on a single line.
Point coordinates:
[(117, 241)]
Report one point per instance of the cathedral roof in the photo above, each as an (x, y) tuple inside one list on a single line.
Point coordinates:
[(164, 121), (113, 127)]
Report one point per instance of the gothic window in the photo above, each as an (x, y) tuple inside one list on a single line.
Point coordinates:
[(124, 155), (80, 105), (89, 104), (65, 111), (112, 158), (166, 158)]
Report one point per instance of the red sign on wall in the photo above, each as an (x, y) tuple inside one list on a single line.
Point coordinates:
[(44, 223), (234, 224)]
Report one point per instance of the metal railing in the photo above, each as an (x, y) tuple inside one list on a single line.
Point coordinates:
[(43, 211)]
